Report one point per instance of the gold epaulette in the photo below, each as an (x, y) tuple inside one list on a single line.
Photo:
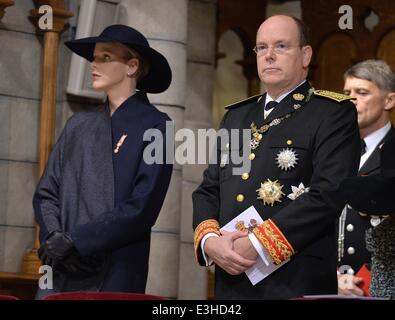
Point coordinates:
[(257, 97), (205, 227), (339, 97), (271, 237)]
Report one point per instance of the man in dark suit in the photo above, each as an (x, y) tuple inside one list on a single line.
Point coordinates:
[(372, 84), (305, 144), (373, 195)]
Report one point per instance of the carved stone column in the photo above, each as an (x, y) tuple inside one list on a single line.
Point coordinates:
[(4, 4), (31, 263)]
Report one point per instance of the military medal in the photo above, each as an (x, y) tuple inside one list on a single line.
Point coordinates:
[(119, 143), (287, 159), (297, 191), (254, 144), (270, 192), (257, 135)]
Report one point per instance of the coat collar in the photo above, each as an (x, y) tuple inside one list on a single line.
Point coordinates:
[(256, 113), (286, 105), (373, 162), (131, 106)]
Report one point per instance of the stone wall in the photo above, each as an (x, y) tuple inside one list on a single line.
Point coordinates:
[(199, 94), (20, 93)]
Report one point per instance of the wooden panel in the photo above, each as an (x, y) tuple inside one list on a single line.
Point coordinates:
[(23, 286), (386, 49), (386, 52), (335, 55), (322, 17)]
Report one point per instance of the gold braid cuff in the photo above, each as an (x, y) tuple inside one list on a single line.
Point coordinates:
[(270, 236), (205, 227)]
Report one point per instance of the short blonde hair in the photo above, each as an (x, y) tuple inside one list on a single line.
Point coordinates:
[(143, 69)]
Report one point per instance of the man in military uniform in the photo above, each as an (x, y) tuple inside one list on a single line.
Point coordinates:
[(372, 84), (303, 142)]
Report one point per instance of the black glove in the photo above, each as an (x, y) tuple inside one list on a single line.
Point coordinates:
[(56, 248), (74, 263), (45, 259)]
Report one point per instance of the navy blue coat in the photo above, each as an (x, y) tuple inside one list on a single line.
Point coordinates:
[(108, 201)]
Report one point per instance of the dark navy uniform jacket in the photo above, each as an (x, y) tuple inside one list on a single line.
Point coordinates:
[(355, 253), (107, 200), (324, 135)]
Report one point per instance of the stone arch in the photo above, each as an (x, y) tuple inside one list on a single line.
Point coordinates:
[(230, 83)]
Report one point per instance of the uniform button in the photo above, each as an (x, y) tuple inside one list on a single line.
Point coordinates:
[(240, 198), (350, 250), (350, 271), (245, 176), (259, 137), (227, 146), (350, 227), (289, 142), (252, 156)]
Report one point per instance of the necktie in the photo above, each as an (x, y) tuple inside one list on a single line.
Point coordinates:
[(363, 147), (270, 105)]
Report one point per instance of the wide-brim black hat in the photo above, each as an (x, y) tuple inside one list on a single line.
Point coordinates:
[(373, 194), (159, 75)]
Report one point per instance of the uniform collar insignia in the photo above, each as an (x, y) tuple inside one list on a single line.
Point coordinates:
[(298, 96)]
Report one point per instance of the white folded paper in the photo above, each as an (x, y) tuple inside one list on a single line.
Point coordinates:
[(248, 219)]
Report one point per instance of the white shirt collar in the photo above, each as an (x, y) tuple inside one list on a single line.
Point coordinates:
[(269, 98), (372, 140)]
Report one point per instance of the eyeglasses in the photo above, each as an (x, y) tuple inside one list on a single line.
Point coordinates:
[(278, 48)]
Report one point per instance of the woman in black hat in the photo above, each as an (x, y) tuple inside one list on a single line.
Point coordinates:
[(100, 193)]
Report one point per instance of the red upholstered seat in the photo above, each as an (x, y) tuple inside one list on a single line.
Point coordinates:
[(4, 297), (101, 296)]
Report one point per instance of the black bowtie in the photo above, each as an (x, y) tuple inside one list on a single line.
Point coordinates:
[(363, 147), (270, 105)]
